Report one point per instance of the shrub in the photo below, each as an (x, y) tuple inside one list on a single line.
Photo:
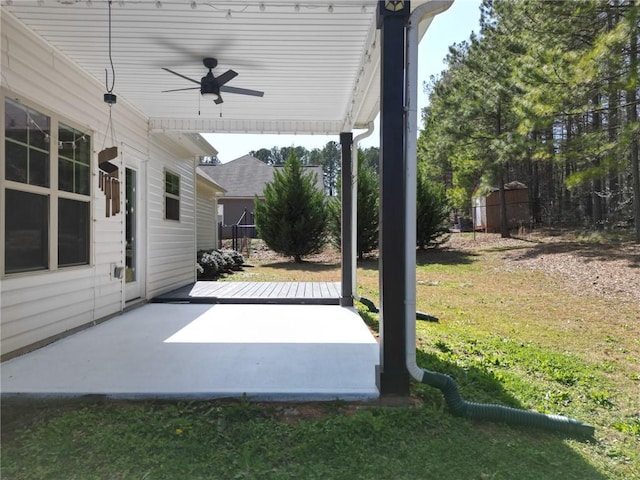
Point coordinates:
[(292, 218), (213, 263), (432, 212), (367, 215)]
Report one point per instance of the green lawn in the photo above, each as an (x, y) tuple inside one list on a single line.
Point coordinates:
[(508, 336)]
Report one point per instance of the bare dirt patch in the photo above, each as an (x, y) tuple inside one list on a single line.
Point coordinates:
[(602, 269), (608, 269), (260, 254)]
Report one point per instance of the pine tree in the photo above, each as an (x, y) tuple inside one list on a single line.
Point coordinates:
[(368, 209), (432, 211), (292, 218)]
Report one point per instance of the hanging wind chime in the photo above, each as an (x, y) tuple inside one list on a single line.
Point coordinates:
[(108, 179)]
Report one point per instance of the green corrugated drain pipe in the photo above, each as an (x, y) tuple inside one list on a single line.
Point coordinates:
[(480, 411), (499, 413)]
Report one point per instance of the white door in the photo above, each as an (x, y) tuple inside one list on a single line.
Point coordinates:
[(134, 239)]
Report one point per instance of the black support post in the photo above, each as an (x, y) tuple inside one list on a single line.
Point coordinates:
[(346, 142), (392, 375)]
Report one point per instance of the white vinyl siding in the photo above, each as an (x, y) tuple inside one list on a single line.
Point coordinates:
[(39, 305), (207, 216), (172, 245)]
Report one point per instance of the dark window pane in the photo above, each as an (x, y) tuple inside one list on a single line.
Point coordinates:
[(131, 212), (16, 166), (83, 149), (65, 175), (66, 136), (74, 150), (82, 179), (15, 121), (38, 168), (172, 208), (26, 232), (172, 183), (73, 232), (39, 130), (27, 145)]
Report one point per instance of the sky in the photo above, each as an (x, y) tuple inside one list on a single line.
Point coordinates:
[(451, 26)]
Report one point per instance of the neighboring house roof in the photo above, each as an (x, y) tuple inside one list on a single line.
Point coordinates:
[(245, 177), (203, 175)]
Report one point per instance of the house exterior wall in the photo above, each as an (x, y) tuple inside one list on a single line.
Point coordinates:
[(233, 209), (172, 244), (206, 215), (37, 306)]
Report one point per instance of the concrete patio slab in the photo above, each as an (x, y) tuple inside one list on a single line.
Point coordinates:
[(192, 351)]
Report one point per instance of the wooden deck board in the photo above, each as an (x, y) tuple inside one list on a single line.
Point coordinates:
[(255, 292), (280, 289)]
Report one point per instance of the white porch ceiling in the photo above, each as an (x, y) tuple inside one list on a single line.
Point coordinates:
[(317, 61)]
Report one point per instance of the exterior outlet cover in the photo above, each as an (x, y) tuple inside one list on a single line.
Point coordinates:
[(118, 272)]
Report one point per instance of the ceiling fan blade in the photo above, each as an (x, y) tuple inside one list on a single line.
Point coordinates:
[(180, 89), (180, 75), (218, 100), (242, 91), (225, 77)]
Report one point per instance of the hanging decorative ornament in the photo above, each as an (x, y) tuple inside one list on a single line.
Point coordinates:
[(109, 173)]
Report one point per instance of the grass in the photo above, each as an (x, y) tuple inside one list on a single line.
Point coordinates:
[(510, 337)]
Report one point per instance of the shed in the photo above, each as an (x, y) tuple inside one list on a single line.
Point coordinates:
[(486, 208)]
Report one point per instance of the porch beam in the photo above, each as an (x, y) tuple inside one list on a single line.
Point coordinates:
[(347, 235), (229, 125), (392, 376)]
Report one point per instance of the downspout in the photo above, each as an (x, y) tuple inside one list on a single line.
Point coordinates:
[(445, 383), (354, 208)]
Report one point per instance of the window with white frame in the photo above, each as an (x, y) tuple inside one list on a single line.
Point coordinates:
[(171, 196), (47, 191)]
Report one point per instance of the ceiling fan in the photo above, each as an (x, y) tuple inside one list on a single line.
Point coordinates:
[(212, 85)]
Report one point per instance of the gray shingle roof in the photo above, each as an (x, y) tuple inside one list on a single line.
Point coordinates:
[(246, 176)]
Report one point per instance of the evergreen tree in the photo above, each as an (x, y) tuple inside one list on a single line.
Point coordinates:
[(292, 218), (546, 94), (432, 211), (331, 167), (371, 158), (367, 206), (334, 220)]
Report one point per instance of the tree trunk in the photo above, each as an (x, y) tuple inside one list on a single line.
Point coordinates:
[(596, 186), (632, 114), (614, 197), (504, 225), (534, 194)]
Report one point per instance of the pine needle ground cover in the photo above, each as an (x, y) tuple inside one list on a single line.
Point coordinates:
[(513, 329)]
